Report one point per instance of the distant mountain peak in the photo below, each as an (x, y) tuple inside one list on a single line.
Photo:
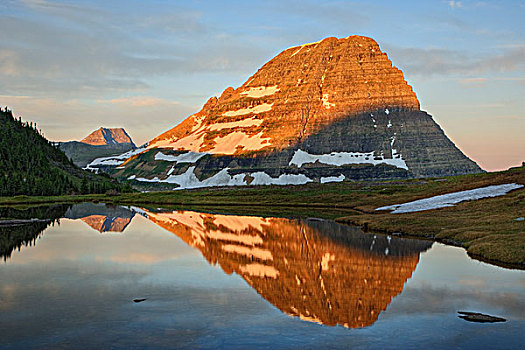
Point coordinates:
[(108, 136)]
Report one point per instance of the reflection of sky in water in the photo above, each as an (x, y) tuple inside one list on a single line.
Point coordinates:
[(75, 289)]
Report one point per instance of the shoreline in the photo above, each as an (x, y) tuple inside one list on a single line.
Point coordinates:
[(486, 228)]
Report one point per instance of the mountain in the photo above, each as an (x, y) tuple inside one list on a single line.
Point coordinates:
[(100, 143), (32, 165), (105, 136), (328, 111)]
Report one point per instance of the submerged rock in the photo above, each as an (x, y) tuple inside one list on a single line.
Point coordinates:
[(479, 317), (139, 300)]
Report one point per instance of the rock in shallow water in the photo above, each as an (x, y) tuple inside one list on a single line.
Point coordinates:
[(479, 317)]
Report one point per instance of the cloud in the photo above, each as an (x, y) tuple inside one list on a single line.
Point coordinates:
[(455, 4), (8, 63), (437, 61), (473, 81), (478, 81), (140, 101), (66, 52), (72, 119), (510, 46), (333, 12), (67, 11), (511, 117)]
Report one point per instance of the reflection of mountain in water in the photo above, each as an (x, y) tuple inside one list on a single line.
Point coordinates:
[(101, 217), (16, 236), (317, 270), (106, 223)]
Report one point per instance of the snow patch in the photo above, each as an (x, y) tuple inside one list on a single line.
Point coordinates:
[(449, 199), (260, 91), (240, 223), (325, 262), (138, 211), (251, 252), (223, 178), (189, 157), (327, 179), (296, 52), (113, 160), (300, 47), (192, 142), (327, 104), (229, 232), (227, 144), (301, 157), (198, 123), (143, 179), (238, 124), (259, 270), (230, 143), (261, 178), (265, 107)]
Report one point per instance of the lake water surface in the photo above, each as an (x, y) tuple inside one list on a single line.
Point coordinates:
[(225, 281)]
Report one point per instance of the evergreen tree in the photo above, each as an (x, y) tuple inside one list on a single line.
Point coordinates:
[(31, 165)]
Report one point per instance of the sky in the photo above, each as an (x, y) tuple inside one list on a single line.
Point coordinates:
[(74, 66)]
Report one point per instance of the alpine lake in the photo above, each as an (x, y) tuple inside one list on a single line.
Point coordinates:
[(91, 276)]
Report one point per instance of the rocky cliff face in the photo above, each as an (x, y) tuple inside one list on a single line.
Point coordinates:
[(319, 271), (104, 136), (333, 110)]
